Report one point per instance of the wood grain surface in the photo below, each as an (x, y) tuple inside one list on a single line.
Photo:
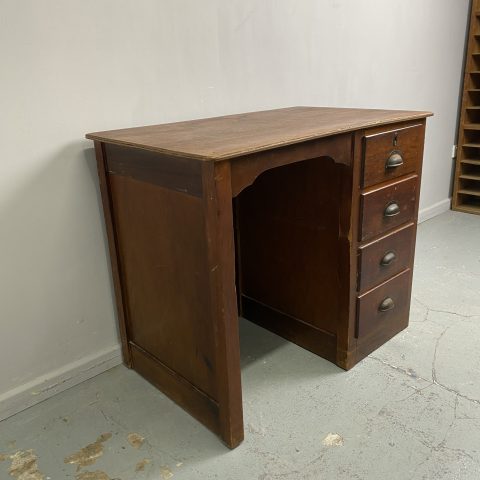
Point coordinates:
[(371, 318), (375, 200), (235, 135), (289, 252), (399, 244), (164, 264), (406, 142)]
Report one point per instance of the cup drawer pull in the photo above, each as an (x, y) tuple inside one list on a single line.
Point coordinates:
[(384, 309), (388, 258), (386, 305), (388, 206), (391, 210), (394, 160)]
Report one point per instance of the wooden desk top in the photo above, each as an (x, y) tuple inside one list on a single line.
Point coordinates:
[(220, 138)]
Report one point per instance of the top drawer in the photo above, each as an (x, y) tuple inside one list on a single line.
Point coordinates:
[(387, 155)]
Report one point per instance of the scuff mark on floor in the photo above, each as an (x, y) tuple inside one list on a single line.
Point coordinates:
[(96, 475), (407, 371), (256, 429), (333, 440), (88, 455), (411, 373), (24, 466), (140, 466), (166, 473), (135, 440)]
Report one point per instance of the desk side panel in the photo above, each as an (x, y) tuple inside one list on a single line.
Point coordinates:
[(160, 226)]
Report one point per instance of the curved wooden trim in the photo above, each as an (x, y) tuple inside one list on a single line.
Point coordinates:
[(244, 170)]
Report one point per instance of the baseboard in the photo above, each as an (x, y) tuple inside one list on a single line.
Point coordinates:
[(57, 381), (436, 209)]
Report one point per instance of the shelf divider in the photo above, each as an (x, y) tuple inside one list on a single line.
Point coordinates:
[(466, 186)]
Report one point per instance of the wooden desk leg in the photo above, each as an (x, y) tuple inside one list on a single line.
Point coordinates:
[(348, 228), (113, 248), (217, 198)]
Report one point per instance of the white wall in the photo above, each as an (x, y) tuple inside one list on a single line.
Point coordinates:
[(70, 67)]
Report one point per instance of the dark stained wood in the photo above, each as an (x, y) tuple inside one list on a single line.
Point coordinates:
[(398, 244), (374, 202), (348, 221), (265, 212), (305, 335), (279, 213), (378, 147), (190, 398), (369, 316), (180, 174), (231, 136), (113, 249), (163, 255), (245, 170), (377, 337), (217, 205), (238, 253)]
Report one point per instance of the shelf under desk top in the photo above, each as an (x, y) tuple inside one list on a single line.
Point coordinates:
[(220, 138)]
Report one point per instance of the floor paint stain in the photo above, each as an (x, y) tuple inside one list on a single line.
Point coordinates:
[(166, 473), (97, 475), (256, 429), (135, 440), (24, 466), (333, 440), (140, 467), (89, 454)]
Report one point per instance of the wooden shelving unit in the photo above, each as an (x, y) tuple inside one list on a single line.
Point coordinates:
[(466, 190)]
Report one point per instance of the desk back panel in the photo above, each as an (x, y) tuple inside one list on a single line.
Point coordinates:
[(288, 244)]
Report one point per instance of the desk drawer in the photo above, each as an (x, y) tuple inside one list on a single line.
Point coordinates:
[(385, 257), (390, 154), (387, 207), (386, 307)]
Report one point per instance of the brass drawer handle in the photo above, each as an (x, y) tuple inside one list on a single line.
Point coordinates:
[(391, 210), (394, 160), (388, 258), (386, 305)]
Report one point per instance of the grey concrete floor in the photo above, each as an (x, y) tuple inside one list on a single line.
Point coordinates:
[(409, 411)]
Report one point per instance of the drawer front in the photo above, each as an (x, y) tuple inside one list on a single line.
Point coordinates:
[(386, 307), (387, 155), (388, 207), (385, 257)]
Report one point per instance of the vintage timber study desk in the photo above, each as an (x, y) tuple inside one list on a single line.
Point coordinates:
[(302, 220)]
